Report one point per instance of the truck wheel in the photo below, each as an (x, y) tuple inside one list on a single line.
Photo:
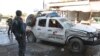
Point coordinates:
[(30, 37), (76, 45)]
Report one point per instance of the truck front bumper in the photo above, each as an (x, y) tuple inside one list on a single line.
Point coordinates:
[(97, 42), (93, 41)]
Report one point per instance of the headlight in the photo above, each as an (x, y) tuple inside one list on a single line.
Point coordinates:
[(97, 30), (98, 33)]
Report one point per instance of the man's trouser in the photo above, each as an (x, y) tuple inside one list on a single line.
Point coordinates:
[(22, 45), (9, 30), (10, 34)]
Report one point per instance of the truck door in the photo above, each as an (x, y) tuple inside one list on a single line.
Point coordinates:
[(55, 31), (41, 29)]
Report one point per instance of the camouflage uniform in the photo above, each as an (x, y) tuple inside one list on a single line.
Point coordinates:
[(9, 21), (18, 28)]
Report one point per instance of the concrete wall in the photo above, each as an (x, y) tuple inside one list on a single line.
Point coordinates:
[(96, 14), (78, 16), (72, 0), (84, 15), (71, 15)]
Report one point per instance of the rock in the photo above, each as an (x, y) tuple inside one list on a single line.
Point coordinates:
[(62, 49)]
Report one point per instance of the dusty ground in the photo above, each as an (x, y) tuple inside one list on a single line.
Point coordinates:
[(46, 49), (8, 48)]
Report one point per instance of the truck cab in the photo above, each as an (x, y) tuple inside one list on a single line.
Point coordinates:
[(50, 29)]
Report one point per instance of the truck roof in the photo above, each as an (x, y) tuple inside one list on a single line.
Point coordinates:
[(51, 18), (48, 14)]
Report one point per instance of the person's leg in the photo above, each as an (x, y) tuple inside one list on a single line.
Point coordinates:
[(22, 46), (9, 33), (19, 46)]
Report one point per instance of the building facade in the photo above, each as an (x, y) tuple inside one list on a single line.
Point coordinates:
[(77, 10)]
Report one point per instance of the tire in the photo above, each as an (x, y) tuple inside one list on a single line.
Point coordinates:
[(76, 45), (30, 37), (31, 20)]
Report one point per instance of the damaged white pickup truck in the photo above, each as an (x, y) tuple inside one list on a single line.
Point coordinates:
[(59, 30)]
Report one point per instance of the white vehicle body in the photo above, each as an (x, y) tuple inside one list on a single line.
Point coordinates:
[(62, 33), (47, 33), (59, 30)]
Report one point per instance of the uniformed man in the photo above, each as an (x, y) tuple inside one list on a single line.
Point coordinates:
[(19, 32), (9, 22)]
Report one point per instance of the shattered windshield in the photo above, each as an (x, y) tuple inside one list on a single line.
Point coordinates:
[(63, 20), (67, 23)]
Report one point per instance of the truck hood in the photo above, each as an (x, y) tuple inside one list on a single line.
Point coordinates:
[(84, 28), (95, 25)]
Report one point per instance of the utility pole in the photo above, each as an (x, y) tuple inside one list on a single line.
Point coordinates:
[(43, 4)]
